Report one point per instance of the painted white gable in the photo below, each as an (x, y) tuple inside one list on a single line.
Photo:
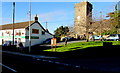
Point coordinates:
[(39, 38)]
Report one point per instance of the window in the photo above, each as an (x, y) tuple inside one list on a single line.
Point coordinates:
[(19, 33), (35, 31), (43, 33)]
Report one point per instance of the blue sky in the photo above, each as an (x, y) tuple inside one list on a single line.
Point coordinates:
[(55, 13)]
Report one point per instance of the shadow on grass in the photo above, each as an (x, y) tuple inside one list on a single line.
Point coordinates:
[(75, 48), (39, 49), (90, 52), (100, 51)]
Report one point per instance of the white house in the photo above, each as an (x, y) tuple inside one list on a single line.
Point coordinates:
[(21, 33)]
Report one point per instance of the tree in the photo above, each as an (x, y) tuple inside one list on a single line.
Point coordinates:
[(61, 31), (87, 21), (115, 20)]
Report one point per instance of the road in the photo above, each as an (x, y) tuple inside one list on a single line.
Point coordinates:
[(62, 43), (18, 62)]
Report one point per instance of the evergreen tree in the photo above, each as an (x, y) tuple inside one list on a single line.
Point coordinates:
[(61, 31)]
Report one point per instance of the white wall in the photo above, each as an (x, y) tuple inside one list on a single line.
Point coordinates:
[(41, 37), (9, 37), (0, 37), (25, 41)]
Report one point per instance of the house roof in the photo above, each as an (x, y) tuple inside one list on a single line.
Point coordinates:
[(46, 30), (16, 25), (21, 25)]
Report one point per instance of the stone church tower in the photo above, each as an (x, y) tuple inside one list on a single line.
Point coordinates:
[(82, 15)]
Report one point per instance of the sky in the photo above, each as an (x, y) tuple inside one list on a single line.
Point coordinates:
[(55, 13)]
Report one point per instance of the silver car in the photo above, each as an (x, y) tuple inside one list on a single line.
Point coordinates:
[(113, 37)]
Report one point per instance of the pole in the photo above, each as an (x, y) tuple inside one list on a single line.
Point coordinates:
[(46, 25), (13, 20), (29, 27), (100, 23), (117, 15)]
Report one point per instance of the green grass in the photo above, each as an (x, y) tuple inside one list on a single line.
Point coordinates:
[(80, 45)]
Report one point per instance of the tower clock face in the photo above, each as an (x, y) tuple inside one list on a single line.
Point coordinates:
[(78, 17)]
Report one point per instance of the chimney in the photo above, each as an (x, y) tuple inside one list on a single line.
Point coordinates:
[(36, 18)]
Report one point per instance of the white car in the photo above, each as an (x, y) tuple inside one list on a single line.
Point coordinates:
[(113, 37), (95, 37), (63, 38)]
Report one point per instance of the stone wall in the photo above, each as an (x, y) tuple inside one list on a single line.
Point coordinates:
[(81, 11)]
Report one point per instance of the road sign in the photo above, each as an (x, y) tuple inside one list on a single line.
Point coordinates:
[(53, 42)]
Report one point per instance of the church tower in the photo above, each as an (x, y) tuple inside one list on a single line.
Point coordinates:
[(82, 14)]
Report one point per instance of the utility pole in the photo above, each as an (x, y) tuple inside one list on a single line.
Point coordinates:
[(29, 27), (100, 22), (117, 15), (46, 25), (13, 20)]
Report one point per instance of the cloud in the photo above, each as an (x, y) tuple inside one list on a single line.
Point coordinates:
[(10, 20), (52, 16), (55, 18)]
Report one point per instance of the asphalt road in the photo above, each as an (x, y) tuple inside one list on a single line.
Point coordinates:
[(17, 62), (20, 63)]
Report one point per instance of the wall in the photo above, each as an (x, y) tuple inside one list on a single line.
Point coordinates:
[(41, 37), (24, 36), (7, 35)]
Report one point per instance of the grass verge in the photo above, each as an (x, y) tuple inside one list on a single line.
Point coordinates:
[(80, 45)]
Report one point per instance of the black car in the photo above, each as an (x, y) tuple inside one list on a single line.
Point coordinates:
[(47, 41)]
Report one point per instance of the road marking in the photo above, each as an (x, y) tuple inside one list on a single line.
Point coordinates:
[(55, 62), (42, 58), (8, 67)]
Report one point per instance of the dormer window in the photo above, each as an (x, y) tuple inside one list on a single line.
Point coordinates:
[(43, 32)]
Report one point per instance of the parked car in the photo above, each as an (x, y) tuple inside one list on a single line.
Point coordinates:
[(113, 37), (63, 38), (7, 43), (95, 37), (47, 41)]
